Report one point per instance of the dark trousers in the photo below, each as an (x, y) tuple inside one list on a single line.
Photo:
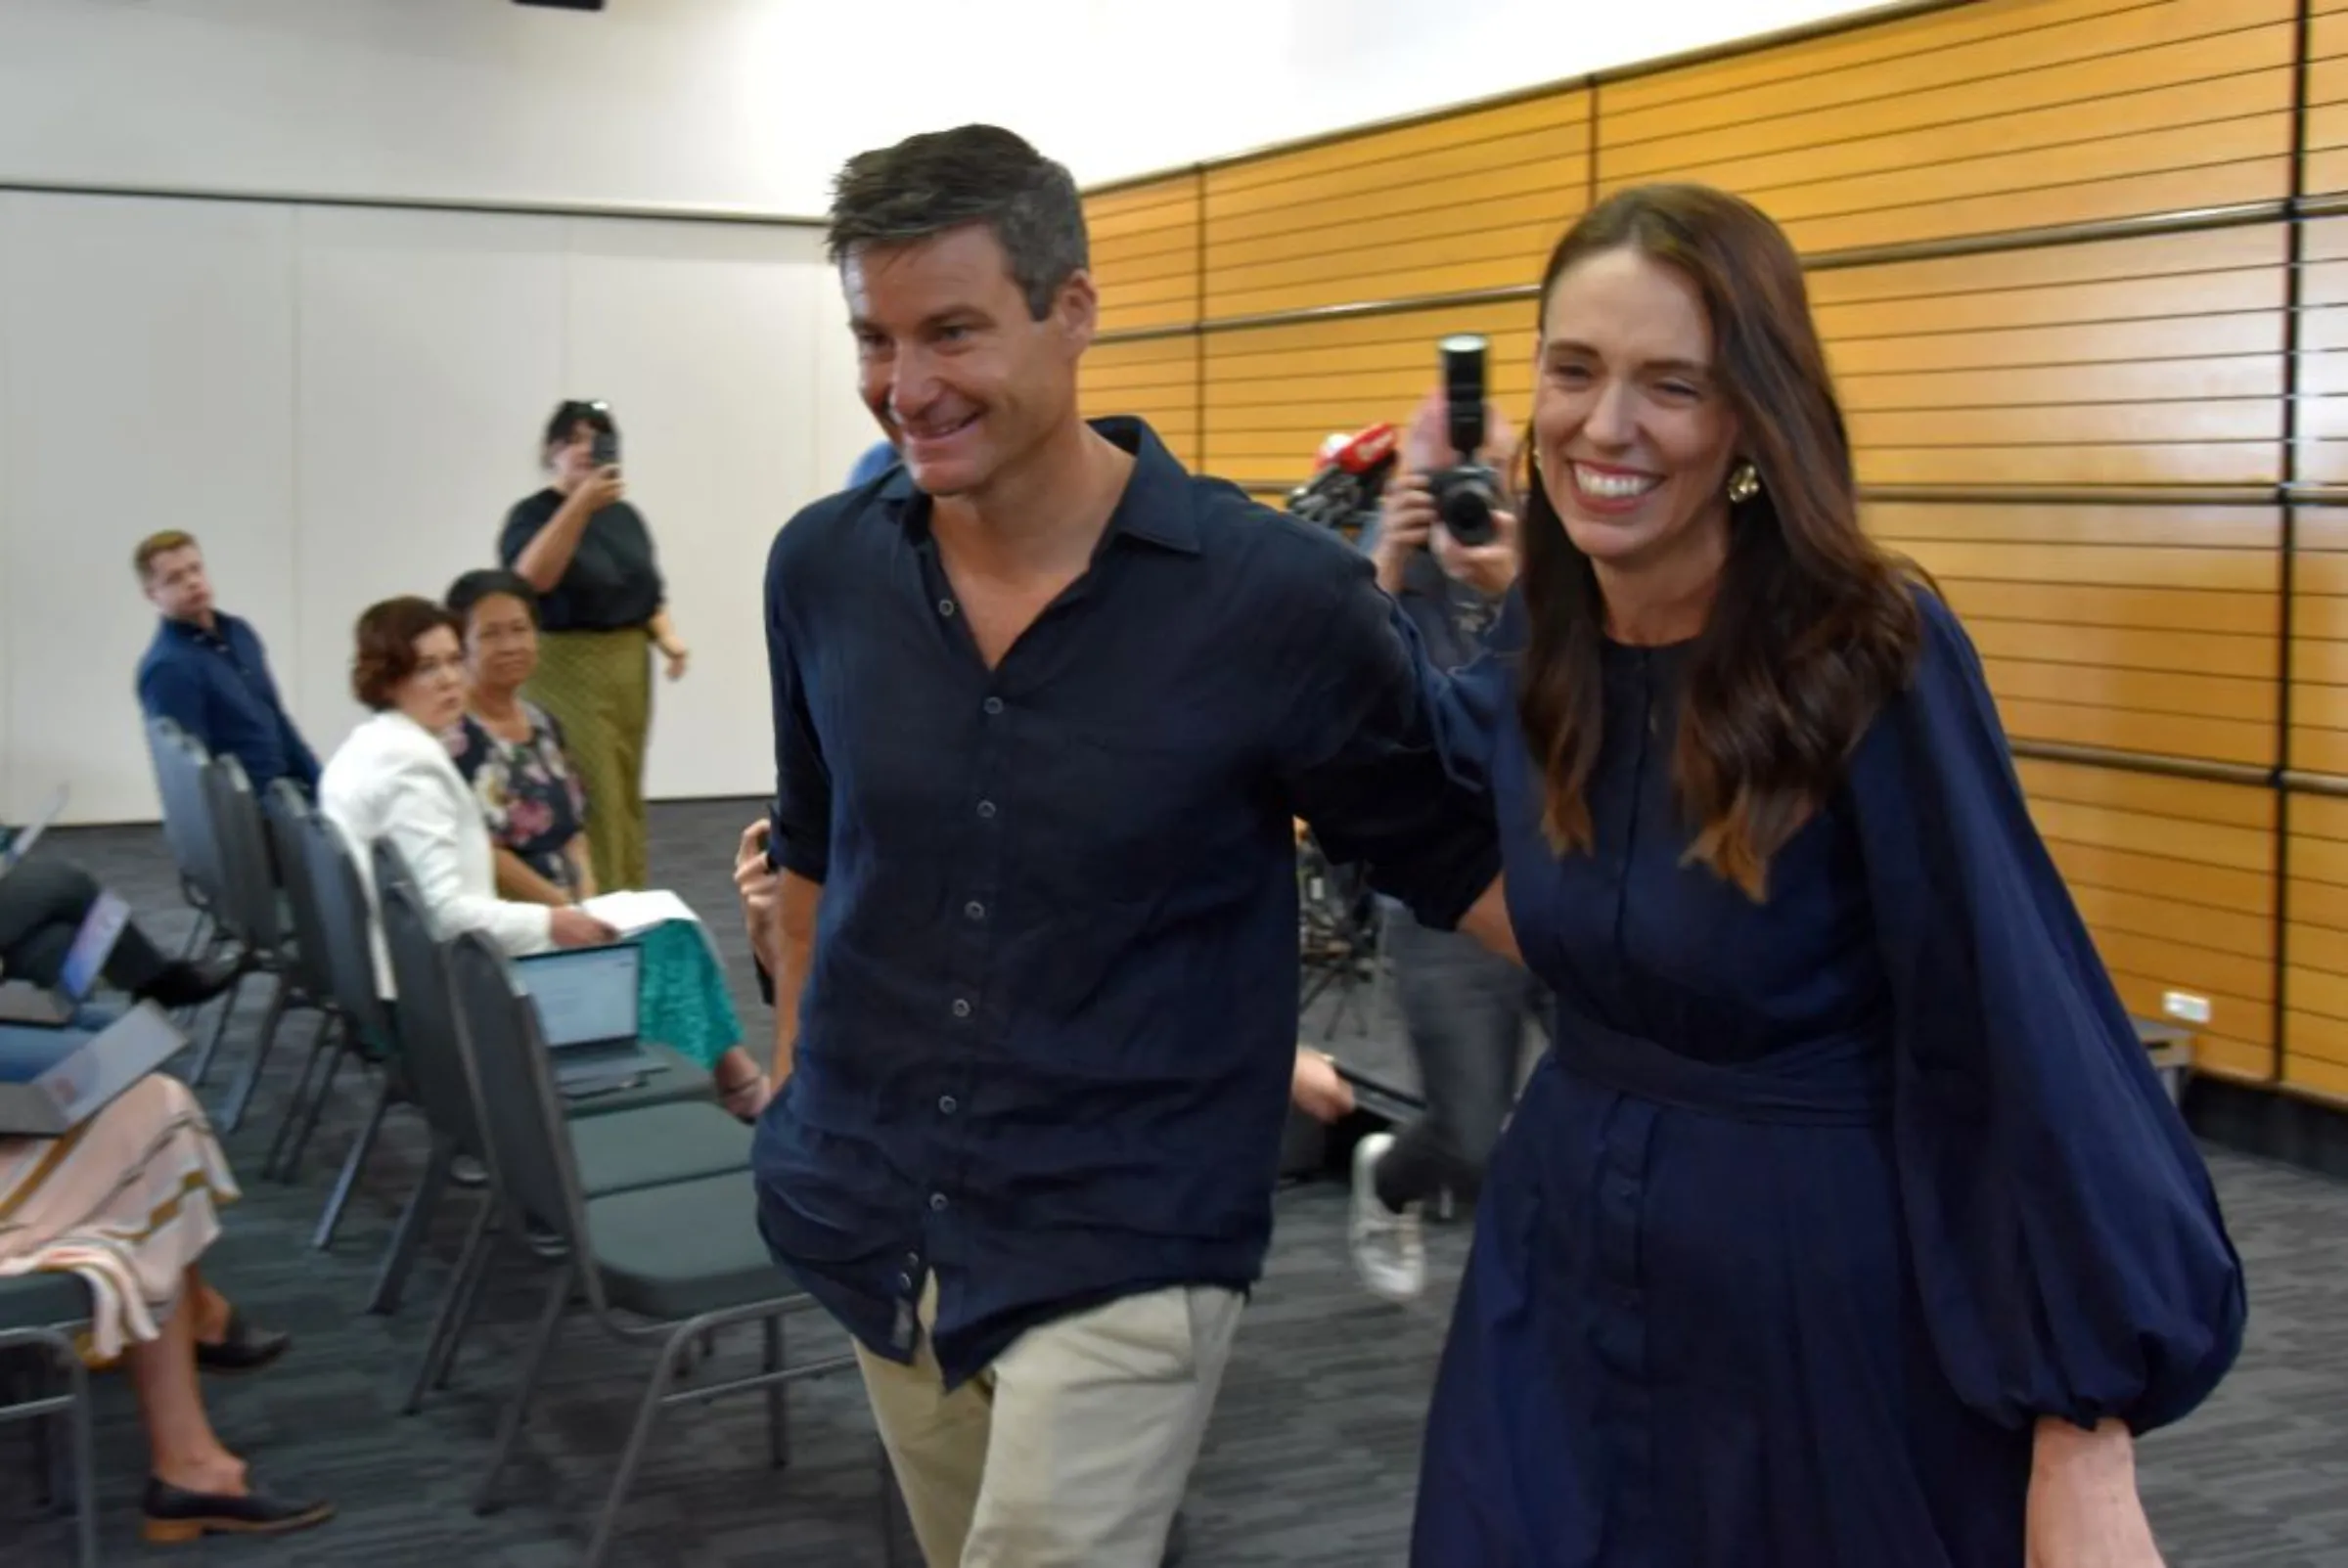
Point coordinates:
[(42, 905), (1465, 1008)]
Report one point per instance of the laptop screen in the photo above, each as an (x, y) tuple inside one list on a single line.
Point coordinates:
[(584, 995), (93, 945)]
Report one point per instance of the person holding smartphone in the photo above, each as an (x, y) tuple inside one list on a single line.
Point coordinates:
[(589, 556)]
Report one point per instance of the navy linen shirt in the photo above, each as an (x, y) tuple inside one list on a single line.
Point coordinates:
[(1046, 1039), (215, 685)]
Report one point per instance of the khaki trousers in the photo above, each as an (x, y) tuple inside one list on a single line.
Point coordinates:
[(1073, 1449)]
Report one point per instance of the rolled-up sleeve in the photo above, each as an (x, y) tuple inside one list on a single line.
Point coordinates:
[(801, 815), (1364, 765)]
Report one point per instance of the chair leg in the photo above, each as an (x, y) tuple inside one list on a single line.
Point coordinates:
[(331, 1220), (475, 1290), (85, 1466), (211, 1046), (309, 1113), (199, 928), (407, 1236), (888, 1508), (242, 1099), (448, 1323), (778, 1409), (329, 1028), (534, 1364), (631, 1457)]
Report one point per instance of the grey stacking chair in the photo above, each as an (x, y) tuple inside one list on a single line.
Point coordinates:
[(42, 1312), (170, 747), (646, 1145), (309, 978), (252, 913), (682, 1260)]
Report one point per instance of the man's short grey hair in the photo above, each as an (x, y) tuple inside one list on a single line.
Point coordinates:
[(942, 180)]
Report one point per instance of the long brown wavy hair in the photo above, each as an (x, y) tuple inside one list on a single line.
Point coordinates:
[(1812, 627)]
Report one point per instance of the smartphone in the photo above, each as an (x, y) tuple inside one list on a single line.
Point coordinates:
[(605, 453), (774, 836)]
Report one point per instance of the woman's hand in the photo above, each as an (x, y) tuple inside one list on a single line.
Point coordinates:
[(575, 927), (600, 489), (677, 654), (1317, 1089), (2083, 1510)]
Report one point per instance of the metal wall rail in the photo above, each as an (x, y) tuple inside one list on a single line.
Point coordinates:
[(662, 212)]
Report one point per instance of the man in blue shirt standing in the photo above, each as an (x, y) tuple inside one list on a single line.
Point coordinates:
[(1047, 709), (205, 670)]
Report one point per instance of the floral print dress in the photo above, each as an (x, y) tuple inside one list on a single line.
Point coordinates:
[(535, 805)]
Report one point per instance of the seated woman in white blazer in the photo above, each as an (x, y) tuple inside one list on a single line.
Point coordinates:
[(394, 779)]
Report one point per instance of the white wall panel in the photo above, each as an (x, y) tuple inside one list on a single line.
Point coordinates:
[(430, 355), (145, 354), (700, 339)]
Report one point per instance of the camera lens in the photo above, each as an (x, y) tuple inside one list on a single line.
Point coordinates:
[(1465, 507)]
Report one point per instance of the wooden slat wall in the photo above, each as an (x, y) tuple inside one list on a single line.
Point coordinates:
[(1995, 392)]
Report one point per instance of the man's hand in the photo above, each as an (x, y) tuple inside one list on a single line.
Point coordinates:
[(760, 890), (1317, 1090), (1487, 920)]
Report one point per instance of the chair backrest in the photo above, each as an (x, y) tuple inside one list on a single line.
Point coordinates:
[(436, 1069), (286, 813), (521, 1112), (179, 761), (248, 904), (349, 926)]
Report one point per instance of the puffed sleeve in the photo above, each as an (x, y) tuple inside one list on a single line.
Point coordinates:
[(2069, 1249), (1472, 704)]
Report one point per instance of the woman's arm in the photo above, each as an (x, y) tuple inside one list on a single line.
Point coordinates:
[(582, 867), (547, 557), (515, 880), (665, 637)]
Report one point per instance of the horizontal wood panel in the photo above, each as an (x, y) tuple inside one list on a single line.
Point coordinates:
[(1145, 253), (1471, 203), (1982, 39), (2101, 114), (1156, 379), (2222, 527), (2149, 609), (2194, 81)]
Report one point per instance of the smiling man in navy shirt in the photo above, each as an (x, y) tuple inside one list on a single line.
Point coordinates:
[(205, 670), (1045, 710)]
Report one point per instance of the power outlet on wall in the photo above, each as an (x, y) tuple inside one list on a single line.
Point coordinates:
[(2184, 1006)]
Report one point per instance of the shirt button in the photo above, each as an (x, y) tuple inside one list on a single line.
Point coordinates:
[(946, 1105), (937, 1200), (945, 607), (986, 810), (912, 1260), (975, 910), (993, 704), (962, 1008)]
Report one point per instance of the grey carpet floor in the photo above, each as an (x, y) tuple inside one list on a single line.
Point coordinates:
[(1311, 1459)]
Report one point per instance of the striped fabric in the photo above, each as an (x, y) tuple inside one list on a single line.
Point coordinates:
[(127, 1200)]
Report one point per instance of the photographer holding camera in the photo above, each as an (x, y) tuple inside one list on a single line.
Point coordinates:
[(1465, 1007)]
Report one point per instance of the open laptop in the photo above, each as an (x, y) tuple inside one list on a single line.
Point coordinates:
[(54, 1077), (17, 844), (77, 977), (588, 1001)]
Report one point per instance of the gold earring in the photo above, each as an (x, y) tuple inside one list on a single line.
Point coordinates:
[(1745, 483)]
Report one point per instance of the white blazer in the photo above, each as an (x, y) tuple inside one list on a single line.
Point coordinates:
[(394, 779)]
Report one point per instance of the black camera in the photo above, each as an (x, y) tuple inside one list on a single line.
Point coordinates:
[(1467, 493)]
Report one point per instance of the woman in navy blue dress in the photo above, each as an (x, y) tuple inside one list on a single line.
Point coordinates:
[(1846, 1225)]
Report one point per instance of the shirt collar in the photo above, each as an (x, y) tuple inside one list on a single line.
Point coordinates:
[(190, 632), (1156, 505)]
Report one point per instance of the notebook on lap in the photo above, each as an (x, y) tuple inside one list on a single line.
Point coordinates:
[(588, 1001), (54, 1077)]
